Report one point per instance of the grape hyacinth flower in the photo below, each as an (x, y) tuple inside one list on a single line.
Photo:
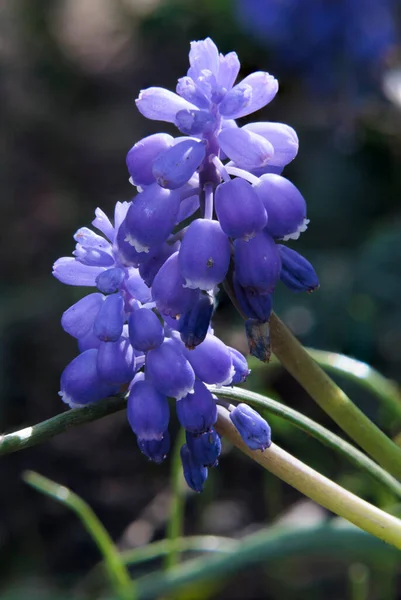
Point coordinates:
[(211, 207)]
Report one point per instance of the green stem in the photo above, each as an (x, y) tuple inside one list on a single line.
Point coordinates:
[(332, 399), (175, 523), (384, 389), (317, 487), (262, 403), (36, 434), (118, 573)]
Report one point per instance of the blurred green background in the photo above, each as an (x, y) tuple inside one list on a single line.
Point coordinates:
[(69, 73)]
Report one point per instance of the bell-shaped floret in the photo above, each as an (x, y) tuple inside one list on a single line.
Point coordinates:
[(148, 411), (109, 321), (253, 429), (155, 450), (240, 211), (240, 366), (247, 149), (285, 205), (136, 288), (195, 122), (174, 167), (155, 259), (89, 340), (193, 325), (282, 137), (159, 104), (145, 330), (151, 217), (254, 304), (263, 88), (205, 448), (296, 272), (212, 361), (124, 251), (203, 56), (109, 281), (187, 88), (194, 473), (168, 292), (80, 382), (204, 256), (116, 361), (142, 156), (197, 412), (228, 70), (257, 263), (79, 318), (93, 257), (169, 369)]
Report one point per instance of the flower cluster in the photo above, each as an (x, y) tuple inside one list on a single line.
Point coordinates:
[(148, 325)]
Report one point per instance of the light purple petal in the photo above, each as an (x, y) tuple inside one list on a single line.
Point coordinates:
[(264, 88), (72, 272), (247, 149), (159, 104), (228, 70), (102, 222), (120, 212), (187, 88), (236, 100), (203, 55), (88, 238), (283, 138)]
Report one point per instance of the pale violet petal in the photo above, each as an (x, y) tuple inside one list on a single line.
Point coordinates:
[(247, 149), (159, 104), (282, 137), (203, 55), (72, 272), (228, 70), (264, 88), (102, 222)]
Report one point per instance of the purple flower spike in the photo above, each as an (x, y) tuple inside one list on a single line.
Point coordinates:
[(240, 366), (79, 318), (204, 255), (254, 304), (197, 412), (195, 474), (155, 450), (285, 205), (264, 87), (174, 167), (168, 290), (141, 157), (151, 217), (247, 149), (80, 382), (148, 411), (159, 104), (253, 429), (194, 325), (212, 361), (240, 211), (169, 370), (145, 330), (116, 361), (109, 281), (205, 448), (282, 137), (297, 273), (109, 321), (257, 263)]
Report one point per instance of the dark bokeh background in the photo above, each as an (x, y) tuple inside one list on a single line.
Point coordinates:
[(69, 73)]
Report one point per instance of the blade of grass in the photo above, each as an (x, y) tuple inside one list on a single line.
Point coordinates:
[(175, 524), (118, 574)]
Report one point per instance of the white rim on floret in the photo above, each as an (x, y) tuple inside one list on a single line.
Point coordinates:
[(301, 228)]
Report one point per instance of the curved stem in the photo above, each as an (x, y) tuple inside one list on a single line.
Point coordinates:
[(384, 389), (332, 399), (117, 571), (317, 487), (264, 404), (176, 516)]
